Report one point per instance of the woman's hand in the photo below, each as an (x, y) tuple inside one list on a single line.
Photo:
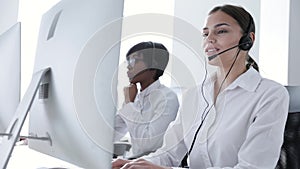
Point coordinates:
[(137, 164), (130, 93), (118, 163)]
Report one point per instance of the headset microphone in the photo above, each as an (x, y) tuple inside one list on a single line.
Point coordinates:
[(215, 55), (242, 45)]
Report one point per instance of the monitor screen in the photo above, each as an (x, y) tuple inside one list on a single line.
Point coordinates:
[(75, 105), (10, 52)]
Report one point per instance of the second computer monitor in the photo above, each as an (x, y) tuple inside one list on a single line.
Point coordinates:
[(10, 74)]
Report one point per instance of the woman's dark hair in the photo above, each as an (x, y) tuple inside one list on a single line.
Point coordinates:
[(155, 56), (244, 19)]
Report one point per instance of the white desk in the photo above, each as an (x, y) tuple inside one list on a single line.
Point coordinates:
[(26, 158)]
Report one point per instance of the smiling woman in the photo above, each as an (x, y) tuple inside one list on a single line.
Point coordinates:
[(236, 101)]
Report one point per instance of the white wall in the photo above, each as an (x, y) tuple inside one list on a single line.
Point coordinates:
[(8, 14), (280, 39), (138, 29), (274, 40)]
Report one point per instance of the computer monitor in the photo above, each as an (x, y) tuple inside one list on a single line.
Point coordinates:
[(75, 105), (10, 73)]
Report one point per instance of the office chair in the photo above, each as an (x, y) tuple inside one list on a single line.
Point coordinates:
[(290, 150)]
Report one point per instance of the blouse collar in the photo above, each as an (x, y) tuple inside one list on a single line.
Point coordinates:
[(248, 80)]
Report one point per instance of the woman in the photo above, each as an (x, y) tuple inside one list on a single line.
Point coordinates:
[(240, 117)]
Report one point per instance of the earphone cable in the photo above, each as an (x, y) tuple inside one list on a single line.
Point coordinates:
[(207, 104)]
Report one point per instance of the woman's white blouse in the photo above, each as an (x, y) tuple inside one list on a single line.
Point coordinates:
[(243, 130), (147, 118)]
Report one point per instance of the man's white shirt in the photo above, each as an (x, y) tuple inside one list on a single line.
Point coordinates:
[(147, 118)]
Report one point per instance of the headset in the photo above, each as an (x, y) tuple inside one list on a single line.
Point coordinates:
[(246, 42)]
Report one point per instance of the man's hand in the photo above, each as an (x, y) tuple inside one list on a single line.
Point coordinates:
[(130, 93)]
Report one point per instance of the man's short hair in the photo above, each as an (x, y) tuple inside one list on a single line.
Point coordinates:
[(155, 56)]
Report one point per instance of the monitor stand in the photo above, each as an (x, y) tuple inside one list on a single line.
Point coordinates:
[(11, 136)]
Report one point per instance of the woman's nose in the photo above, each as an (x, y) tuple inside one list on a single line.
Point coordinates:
[(210, 38)]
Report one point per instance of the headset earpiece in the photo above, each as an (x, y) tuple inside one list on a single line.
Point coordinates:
[(246, 42)]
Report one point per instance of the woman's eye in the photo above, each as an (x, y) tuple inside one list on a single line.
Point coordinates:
[(222, 31)]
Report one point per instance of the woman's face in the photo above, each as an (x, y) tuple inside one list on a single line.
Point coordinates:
[(221, 32)]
